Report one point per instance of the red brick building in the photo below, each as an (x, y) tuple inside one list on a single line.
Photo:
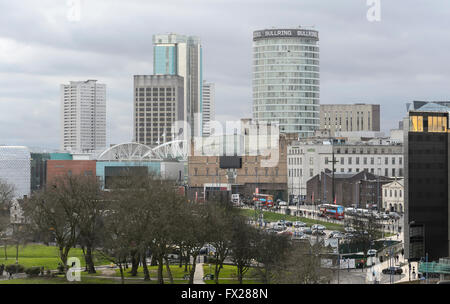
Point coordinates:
[(56, 168)]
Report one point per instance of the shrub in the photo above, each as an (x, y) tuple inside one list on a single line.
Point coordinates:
[(33, 271), (14, 268)]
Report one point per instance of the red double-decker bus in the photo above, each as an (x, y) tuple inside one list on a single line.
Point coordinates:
[(332, 211), (263, 200)]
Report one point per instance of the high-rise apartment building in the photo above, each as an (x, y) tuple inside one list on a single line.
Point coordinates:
[(83, 116), (208, 113), (427, 199), (158, 103), (286, 81), (181, 55), (349, 117)]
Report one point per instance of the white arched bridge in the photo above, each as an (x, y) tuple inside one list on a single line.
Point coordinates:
[(133, 151)]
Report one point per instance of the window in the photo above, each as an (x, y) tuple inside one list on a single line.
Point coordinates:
[(386, 172), (365, 160), (393, 172), (357, 160), (372, 161), (400, 160), (393, 160), (386, 160), (195, 171), (311, 172), (416, 123), (326, 160), (342, 161), (400, 193), (349, 160), (390, 193), (311, 161)]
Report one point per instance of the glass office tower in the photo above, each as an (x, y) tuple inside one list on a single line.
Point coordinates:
[(286, 81), (181, 55)]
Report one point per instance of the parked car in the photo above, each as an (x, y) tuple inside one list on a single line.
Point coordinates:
[(372, 252), (394, 215), (318, 232), (307, 231), (334, 234), (288, 224), (298, 224), (318, 227), (392, 270), (349, 229), (282, 203)]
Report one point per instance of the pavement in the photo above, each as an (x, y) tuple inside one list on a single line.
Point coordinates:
[(198, 275)]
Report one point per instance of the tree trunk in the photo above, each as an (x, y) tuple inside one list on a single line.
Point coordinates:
[(85, 260), (169, 273), (239, 269), (160, 270), (144, 266), (186, 261), (121, 273), (134, 264), (89, 260), (17, 252), (6, 254), (192, 272)]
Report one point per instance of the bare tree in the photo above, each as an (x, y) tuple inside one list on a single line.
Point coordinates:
[(243, 246), (56, 211), (6, 199)]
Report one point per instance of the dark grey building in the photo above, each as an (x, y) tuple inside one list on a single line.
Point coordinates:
[(427, 225), (158, 103)]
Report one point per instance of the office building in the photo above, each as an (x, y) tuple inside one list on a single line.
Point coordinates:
[(83, 116), (286, 81), (181, 55), (349, 117), (158, 104), (427, 225), (208, 113)]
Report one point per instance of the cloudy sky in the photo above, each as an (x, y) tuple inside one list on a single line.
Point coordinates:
[(403, 57)]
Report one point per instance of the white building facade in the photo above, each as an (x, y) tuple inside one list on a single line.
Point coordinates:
[(83, 116), (208, 113), (306, 159), (393, 196)]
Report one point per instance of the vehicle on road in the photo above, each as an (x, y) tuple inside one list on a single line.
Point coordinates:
[(288, 224), (372, 252), (331, 211), (263, 200), (394, 215), (282, 203), (392, 270), (298, 224)]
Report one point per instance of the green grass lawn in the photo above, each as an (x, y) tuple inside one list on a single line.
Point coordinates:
[(41, 255), (177, 272), (274, 217), (229, 275)]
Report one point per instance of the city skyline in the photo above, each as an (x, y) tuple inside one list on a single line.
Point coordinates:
[(356, 64)]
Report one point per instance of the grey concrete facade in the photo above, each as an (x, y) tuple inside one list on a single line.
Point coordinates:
[(349, 117)]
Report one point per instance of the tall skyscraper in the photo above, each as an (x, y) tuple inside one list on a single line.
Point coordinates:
[(427, 197), (83, 116), (158, 103), (286, 79), (181, 55), (208, 113)]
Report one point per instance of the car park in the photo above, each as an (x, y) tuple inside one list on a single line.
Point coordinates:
[(392, 270)]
